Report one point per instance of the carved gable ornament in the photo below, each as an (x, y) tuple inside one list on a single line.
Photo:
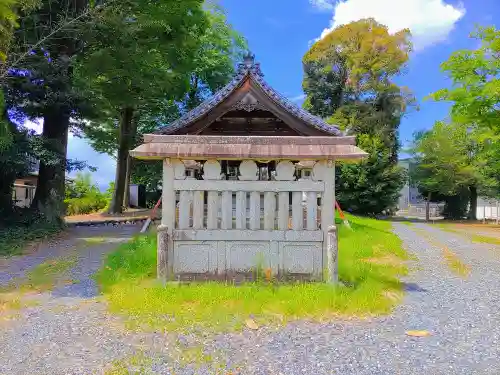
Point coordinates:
[(249, 103)]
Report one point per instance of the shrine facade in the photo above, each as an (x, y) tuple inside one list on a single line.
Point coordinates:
[(248, 184)]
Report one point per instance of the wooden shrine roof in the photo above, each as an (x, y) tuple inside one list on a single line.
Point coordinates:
[(249, 92)]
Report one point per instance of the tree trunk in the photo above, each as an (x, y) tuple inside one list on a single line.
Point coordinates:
[(125, 142), (49, 195), (427, 207), (473, 202), (7, 175), (126, 194)]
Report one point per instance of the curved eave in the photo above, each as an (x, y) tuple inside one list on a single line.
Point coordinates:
[(256, 148)]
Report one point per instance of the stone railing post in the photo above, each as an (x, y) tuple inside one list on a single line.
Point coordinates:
[(162, 264), (332, 255)]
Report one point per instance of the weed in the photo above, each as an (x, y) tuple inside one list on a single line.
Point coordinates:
[(133, 365), (477, 238), (45, 276), (452, 260)]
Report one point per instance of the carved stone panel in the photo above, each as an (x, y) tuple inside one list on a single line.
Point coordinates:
[(212, 170), (285, 171), (248, 171)]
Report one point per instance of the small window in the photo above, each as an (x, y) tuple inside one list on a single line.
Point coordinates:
[(307, 173), (26, 194)]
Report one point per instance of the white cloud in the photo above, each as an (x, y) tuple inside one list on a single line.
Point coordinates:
[(430, 21), (323, 4), (299, 99)]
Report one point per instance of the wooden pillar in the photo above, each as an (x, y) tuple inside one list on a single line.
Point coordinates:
[(165, 230), (328, 218)]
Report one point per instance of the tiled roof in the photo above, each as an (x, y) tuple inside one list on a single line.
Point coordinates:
[(248, 68)]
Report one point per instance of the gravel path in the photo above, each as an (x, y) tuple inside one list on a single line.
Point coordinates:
[(70, 333), (463, 316)]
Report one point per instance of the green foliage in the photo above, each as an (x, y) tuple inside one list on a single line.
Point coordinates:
[(370, 262), (213, 66), (366, 53), (348, 81), (83, 197), (476, 82), (373, 185), (144, 62), (85, 205), (210, 66), (81, 186), (139, 57), (9, 22), (442, 159), (450, 159), (41, 86), (455, 207)]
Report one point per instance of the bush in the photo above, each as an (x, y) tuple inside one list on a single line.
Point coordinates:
[(83, 197), (85, 205)]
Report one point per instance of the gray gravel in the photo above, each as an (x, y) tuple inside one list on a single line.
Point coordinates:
[(70, 333)]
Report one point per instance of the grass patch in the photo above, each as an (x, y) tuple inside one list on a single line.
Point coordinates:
[(455, 264), (13, 240), (476, 238), (45, 276), (370, 287), (136, 364), (10, 302)]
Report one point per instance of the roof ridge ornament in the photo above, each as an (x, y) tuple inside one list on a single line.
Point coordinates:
[(249, 65)]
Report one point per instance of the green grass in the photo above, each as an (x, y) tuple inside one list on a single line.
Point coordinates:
[(476, 238), (45, 276), (13, 240), (370, 263), (485, 239)]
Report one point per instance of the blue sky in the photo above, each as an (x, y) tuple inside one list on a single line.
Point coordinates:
[(279, 32)]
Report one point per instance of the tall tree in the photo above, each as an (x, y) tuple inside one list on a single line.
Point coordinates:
[(40, 86), (14, 142), (211, 67), (450, 159), (476, 82), (349, 81), (475, 97), (374, 184), (221, 47), (143, 56)]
